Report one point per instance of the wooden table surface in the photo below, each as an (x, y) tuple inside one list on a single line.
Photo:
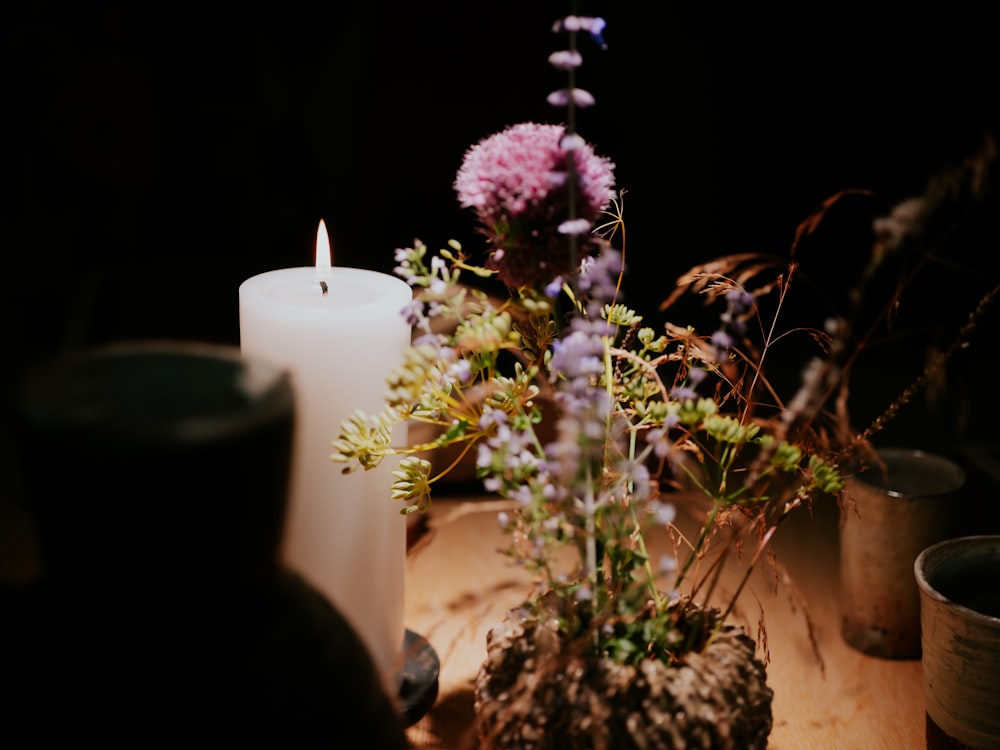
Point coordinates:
[(458, 585)]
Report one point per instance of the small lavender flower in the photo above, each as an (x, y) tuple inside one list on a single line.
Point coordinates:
[(578, 357), (668, 565), (683, 393), (738, 302), (598, 280), (722, 339), (634, 476), (521, 494), (457, 373), (577, 366), (506, 457), (413, 314), (664, 513)]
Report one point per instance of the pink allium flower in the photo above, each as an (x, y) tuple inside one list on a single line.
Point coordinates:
[(515, 180)]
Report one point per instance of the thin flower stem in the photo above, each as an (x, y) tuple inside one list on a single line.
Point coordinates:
[(758, 370), (696, 550), (750, 567), (711, 576), (761, 546), (591, 526), (641, 538), (649, 367), (458, 459)]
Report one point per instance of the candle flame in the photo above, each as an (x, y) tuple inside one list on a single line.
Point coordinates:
[(324, 256)]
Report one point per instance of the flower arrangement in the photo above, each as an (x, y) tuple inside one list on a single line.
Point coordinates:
[(586, 418), (627, 397)]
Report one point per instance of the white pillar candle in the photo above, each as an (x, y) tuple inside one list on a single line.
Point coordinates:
[(339, 332)]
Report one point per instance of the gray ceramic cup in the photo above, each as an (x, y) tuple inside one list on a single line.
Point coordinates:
[(156, 467), (959, 582), (889, 515)]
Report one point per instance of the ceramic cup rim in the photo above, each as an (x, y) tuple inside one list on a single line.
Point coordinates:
[(935, 550), (266, 388), (955, 471)]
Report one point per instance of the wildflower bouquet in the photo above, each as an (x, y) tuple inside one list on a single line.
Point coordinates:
[(588, 419), (634, 408)]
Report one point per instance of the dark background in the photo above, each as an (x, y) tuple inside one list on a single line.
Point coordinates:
[(157, 155)]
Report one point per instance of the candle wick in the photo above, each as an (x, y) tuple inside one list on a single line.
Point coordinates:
[(324, 287)]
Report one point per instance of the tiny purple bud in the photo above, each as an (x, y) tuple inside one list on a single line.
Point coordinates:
[(557, 178), (683, 393), (566, 59), (668, 564), (571, 23), (562, 97), (665, 513), (739, 300), (575, 227), (572, 142), (596, 28), (722, 339), (554, 287), (593, 25)]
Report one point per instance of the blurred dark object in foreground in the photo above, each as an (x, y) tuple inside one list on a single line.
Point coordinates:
[(155, 475)]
